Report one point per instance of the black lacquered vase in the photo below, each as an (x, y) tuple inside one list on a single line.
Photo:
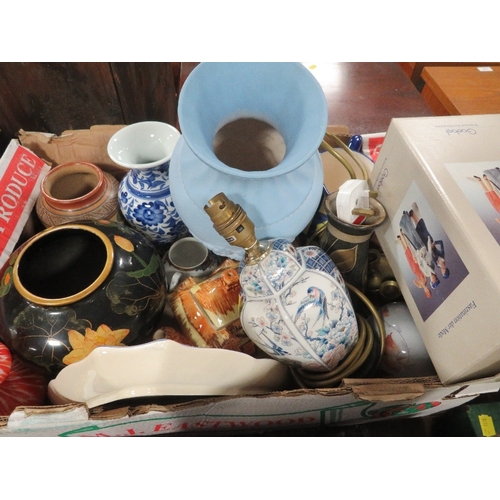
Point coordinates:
[(76, 286)]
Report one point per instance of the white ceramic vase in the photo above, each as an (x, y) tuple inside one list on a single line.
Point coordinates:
[(281, 199), (145, 200)]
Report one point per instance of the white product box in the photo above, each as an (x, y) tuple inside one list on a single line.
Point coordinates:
[(446, 171)]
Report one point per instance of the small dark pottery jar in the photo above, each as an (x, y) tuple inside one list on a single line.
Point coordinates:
[(77, 286), (348, 244)]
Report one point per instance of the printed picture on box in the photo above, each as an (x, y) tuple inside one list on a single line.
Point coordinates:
[(431, 266), (480, 182), (424, 254)]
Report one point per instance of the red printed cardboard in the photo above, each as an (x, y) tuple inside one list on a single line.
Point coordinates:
[(372, 144), (21, 173)]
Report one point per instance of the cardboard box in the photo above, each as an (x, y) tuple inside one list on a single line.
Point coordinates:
[(21, 173), (356, 401), (433, 168), (73, 145)]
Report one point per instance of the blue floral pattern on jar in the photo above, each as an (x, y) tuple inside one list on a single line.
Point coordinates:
[(145, 201), (296, 307)]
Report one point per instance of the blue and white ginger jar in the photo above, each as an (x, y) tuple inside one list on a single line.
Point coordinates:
[(296, 307)]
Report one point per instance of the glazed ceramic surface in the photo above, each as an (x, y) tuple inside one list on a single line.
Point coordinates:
[(77, 191), (348, 244), (208, 311), (188, 257), (24, 385), (145, 148), (281, 200), (404, 354), (5, 362), (74, 287), (164, 368), (297, 309)]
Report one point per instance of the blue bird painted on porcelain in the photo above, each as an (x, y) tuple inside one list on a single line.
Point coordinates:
[(315, 298)]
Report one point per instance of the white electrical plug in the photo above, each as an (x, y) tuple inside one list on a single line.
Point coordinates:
[(353, 194)]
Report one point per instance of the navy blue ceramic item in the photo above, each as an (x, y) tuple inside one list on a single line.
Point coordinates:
[(74, 287)]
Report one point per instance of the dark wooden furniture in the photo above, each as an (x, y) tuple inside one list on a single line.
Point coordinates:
[(362, 96), (53, 97)]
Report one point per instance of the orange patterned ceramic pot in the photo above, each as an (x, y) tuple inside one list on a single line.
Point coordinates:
[(77, 191), (207, 309)]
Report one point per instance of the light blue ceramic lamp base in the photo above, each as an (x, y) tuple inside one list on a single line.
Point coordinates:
[(280, 201)]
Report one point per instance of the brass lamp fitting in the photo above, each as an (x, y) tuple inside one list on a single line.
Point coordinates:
[(233, 224)]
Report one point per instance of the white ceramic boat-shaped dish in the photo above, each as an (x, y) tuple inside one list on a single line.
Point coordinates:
[(164, 368)]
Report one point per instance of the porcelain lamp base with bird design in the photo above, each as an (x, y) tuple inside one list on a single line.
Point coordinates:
[(296, 307)]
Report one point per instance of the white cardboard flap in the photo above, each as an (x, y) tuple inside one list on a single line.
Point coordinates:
[(478, 387), (43, 416)]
